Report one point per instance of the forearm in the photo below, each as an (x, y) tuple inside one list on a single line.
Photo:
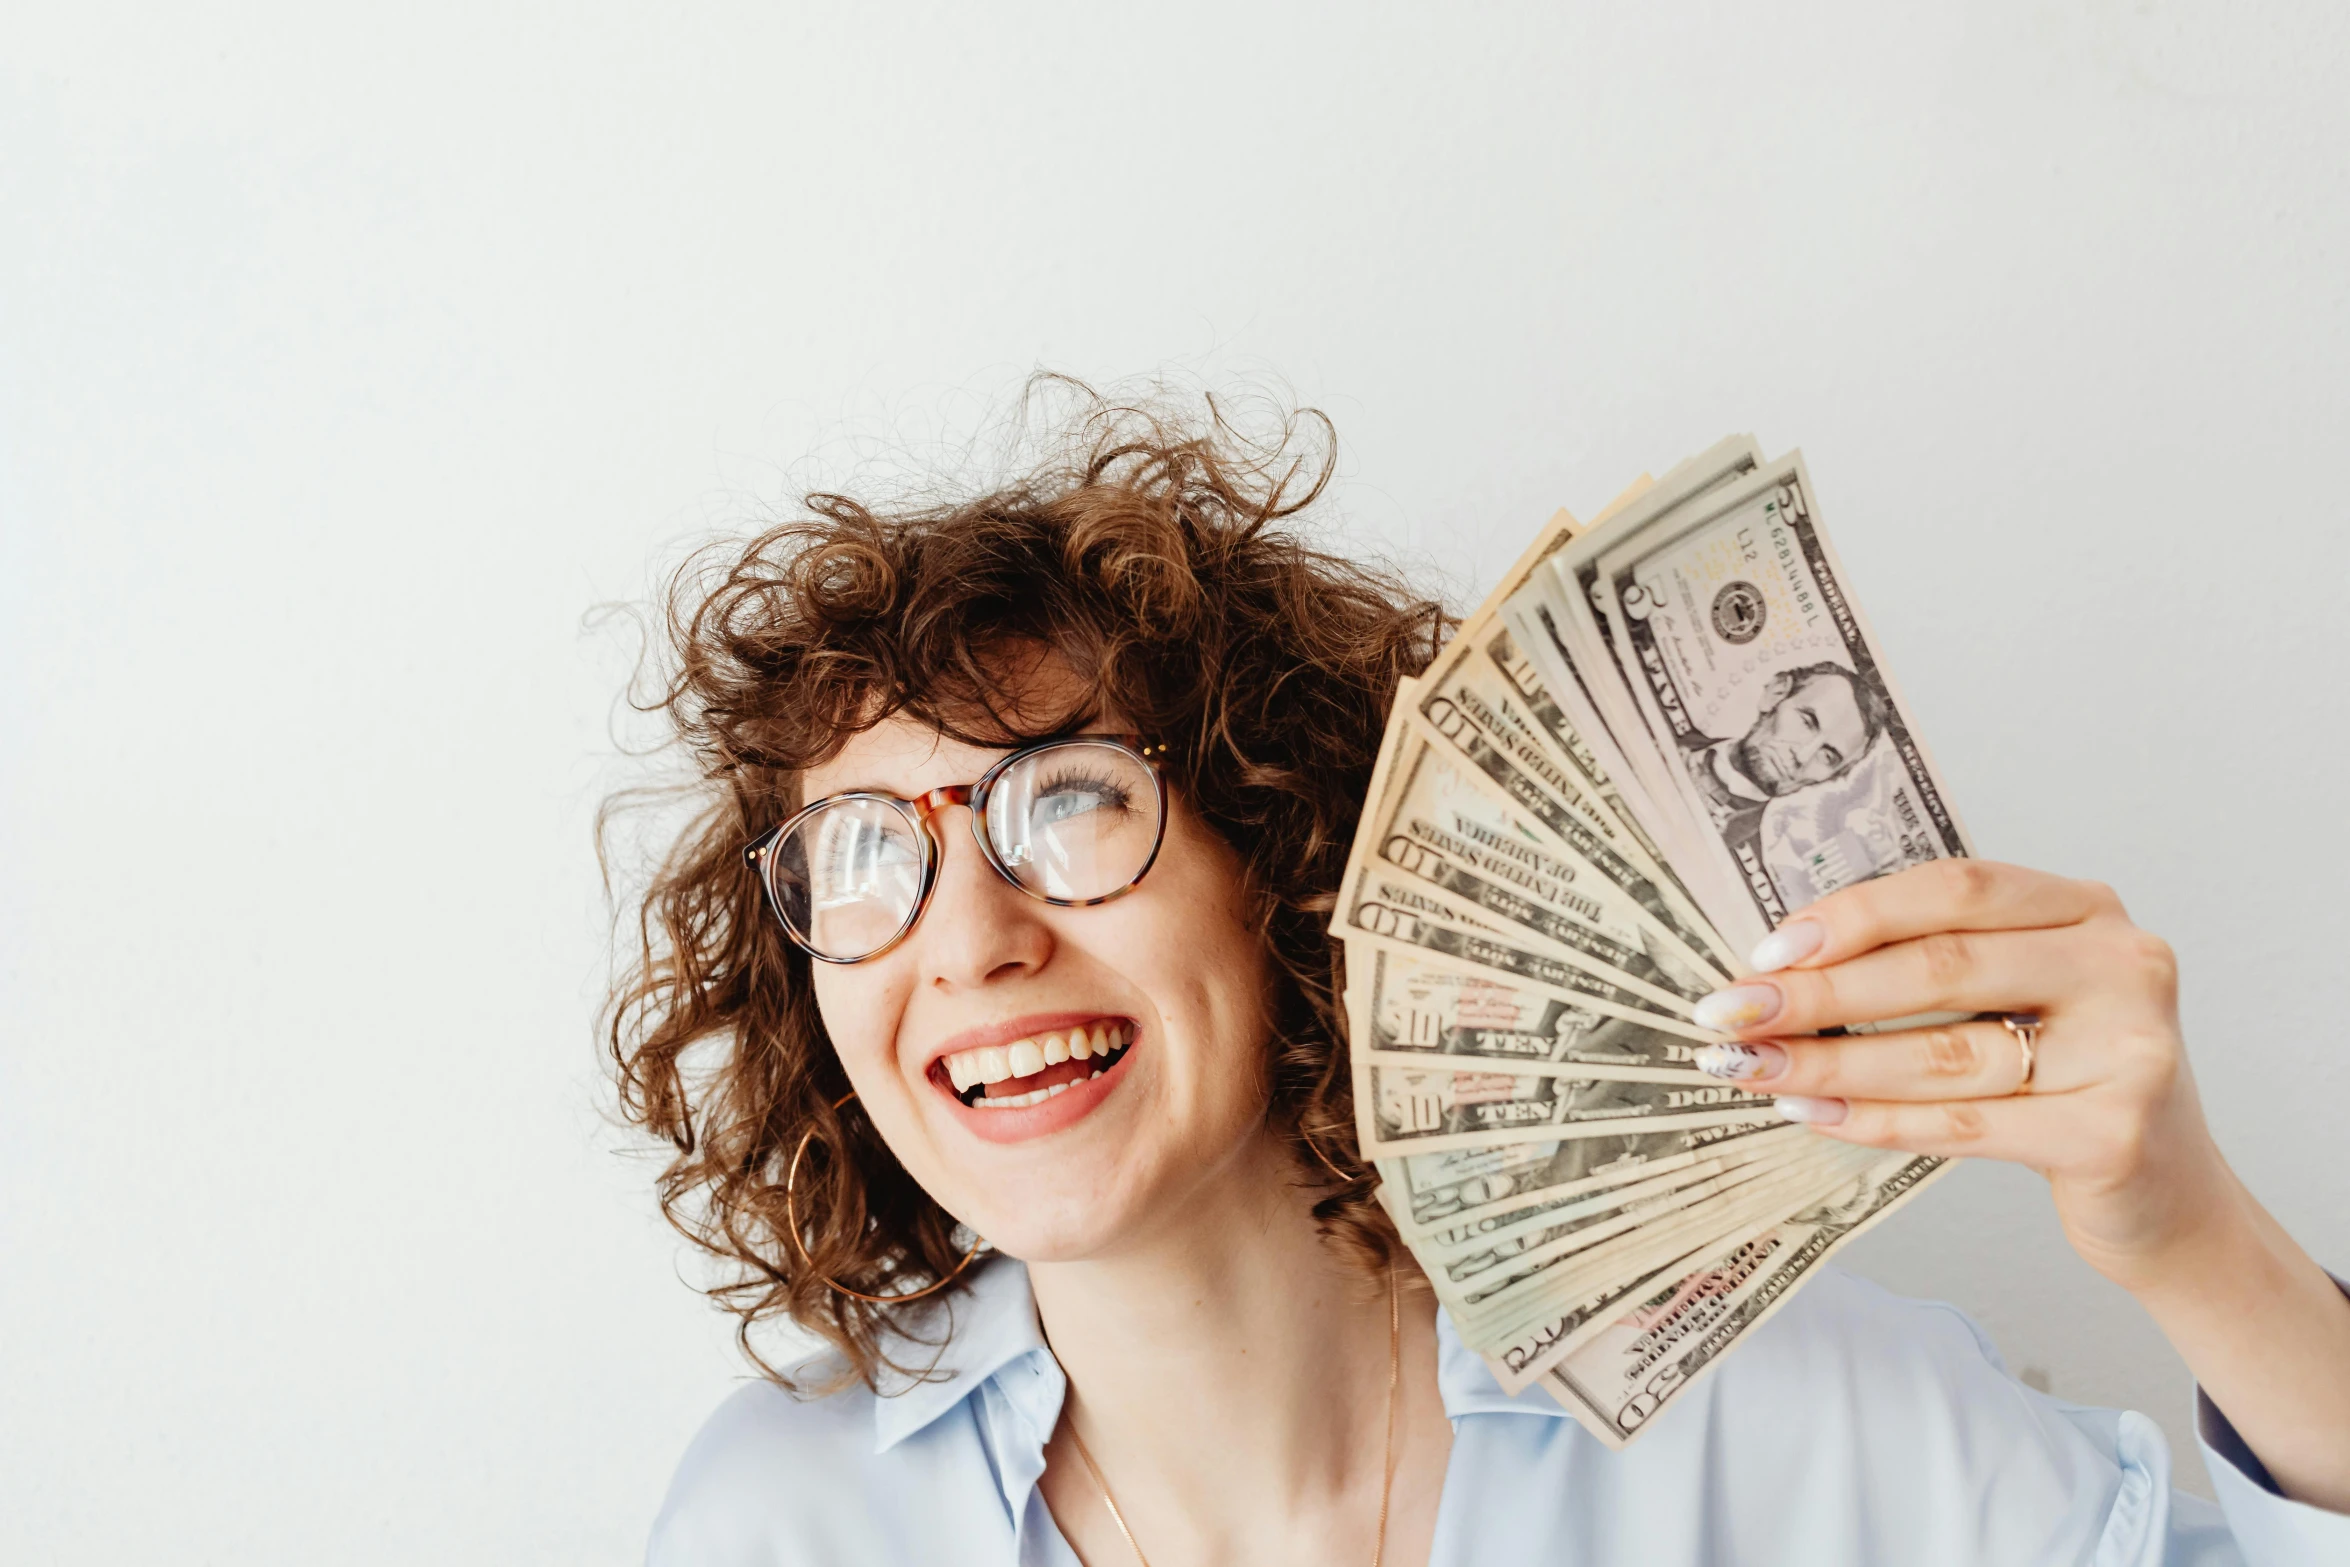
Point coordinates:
[(2267, 1334)]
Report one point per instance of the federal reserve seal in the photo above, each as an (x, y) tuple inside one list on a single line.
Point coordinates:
[(1738, 612)]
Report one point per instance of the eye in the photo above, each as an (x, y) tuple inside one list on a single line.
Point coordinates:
[(855, 849), (1835, 758), (1068, 795), (1811, 718)]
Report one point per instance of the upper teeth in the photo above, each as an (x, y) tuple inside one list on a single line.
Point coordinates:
[(1027, 1057)]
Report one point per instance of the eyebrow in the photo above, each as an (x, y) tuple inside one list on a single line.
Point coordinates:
[(1088, 722)]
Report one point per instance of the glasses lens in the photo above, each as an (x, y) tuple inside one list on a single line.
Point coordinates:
[(847, 876), (1075, 821)]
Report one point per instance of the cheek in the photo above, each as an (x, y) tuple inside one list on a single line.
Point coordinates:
[(1197, 947), (860, 1018), (1227, 981)]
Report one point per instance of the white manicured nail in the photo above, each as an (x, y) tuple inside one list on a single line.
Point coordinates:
[(1740, 1063), (1740, 1006), (1790, 943), (1812, 1112)]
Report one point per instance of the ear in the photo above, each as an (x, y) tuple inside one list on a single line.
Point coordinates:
[(1782, 686)]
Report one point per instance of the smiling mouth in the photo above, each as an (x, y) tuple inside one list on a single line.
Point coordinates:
[(1030, 1071)]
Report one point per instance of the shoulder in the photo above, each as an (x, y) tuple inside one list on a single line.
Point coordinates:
[(762, 1476), (774, 1479), (1852, 1360), (1901, 1411), (1843, 1329), (1853, 1426)]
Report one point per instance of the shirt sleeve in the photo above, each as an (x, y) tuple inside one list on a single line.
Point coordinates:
[(2271, 1528)]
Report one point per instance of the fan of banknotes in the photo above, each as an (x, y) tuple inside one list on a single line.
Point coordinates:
[(1658, 737)]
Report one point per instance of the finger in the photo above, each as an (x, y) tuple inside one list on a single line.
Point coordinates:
[(1953, 971), (2043, 1131), (1939, 895), (1974, 1060)]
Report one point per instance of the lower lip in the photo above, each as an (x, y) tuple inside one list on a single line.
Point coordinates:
[(1066, 1108)]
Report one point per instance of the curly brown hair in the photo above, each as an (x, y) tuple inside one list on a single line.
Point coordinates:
[(1154, 553)]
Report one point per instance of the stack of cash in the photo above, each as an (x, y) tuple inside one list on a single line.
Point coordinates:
[(1657, 738)]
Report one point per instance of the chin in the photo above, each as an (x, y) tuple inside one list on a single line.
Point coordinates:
[(1073, 1233), (1063, 1211), (1088, 1199)]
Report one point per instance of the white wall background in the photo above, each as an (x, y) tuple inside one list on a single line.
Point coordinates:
[(346, 360)]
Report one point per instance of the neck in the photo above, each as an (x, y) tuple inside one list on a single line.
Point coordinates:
[(1231, 1365)]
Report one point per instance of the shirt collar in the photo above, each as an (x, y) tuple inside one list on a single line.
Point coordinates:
[(988, 1326), (993, 1324)]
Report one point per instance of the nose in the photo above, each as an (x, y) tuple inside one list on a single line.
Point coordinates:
[(979, 928)]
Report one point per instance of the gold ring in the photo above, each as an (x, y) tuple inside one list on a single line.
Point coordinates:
[(2026, 1029)]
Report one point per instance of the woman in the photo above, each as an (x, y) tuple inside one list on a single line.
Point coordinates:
[(1006, 919)]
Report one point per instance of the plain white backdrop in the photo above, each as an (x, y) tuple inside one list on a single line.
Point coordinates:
[(349, 357)]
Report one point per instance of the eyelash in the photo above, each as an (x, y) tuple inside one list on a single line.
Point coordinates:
[(1109, 790)]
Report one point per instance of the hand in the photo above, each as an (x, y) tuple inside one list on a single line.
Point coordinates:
[(2110, 1116)]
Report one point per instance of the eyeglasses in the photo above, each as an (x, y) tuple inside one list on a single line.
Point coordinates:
[(1071, 822)]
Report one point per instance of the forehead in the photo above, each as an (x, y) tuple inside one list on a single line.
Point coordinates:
[(1035, 695), (899, 755), (1829, 694)]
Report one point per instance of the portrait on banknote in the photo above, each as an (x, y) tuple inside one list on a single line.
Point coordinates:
[(1745, 655), (1813, 725)]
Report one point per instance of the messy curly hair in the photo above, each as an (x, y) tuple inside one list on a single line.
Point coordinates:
[(1154, 550)]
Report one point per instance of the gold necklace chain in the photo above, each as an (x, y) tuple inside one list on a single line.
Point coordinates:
[(1386, 1463)]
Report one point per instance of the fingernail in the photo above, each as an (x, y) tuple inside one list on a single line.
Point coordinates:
[(1811, 1112), (1741, 1063), (1790, 943), (1741, 1006)]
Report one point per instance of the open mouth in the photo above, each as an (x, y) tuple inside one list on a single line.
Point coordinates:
[(1030, 1071)]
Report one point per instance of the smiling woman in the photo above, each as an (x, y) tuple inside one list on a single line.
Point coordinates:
[(989, 1009), (846, 683)]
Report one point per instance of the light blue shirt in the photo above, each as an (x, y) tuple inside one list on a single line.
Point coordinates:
[(1854, 1427)]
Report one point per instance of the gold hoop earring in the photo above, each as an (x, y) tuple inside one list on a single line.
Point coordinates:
[(1336, 1173), (791, 1216)]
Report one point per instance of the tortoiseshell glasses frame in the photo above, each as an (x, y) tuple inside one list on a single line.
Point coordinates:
[(763, 856)]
